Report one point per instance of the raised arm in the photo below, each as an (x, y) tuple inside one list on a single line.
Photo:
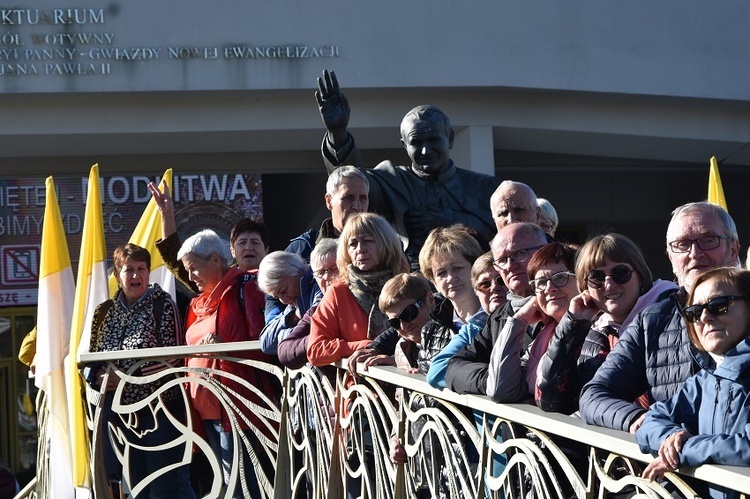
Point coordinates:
[(558, 385), (506, 375), (170, 243), (165, 205), (467, 369), (338, 147), (334, 108)]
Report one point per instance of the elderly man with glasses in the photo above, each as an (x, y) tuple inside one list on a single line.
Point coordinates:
[(653, 356), (512, 248)]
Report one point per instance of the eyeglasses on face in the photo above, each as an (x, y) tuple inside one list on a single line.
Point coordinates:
[(331, 271), (484, 286), (704, 243), (621, 274), (558, 280), (516, 257), (716, 307), (408, 314)]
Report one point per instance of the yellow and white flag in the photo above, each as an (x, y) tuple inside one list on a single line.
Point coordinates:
[(715, 189), (91, 290), (145, 235), (56, 291)]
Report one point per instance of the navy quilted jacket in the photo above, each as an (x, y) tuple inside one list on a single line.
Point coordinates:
[(653, 356)]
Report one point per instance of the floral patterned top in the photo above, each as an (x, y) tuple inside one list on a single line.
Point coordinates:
[(141, 326)]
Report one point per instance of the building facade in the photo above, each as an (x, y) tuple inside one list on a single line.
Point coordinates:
[(611, 111)]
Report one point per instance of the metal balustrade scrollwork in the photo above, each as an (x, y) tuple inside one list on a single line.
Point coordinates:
[(252, 416), (326, 434)]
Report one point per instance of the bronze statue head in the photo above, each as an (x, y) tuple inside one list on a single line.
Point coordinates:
[(428, 138)]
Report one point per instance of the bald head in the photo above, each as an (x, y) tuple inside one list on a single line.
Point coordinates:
[(512, 248), (513, 202)]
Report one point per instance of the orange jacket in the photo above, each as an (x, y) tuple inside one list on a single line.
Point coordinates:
[(338, 327)]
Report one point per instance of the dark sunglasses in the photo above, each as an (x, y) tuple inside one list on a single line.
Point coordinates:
[(486, 285), (717, 306), (407, 315), (621, 274)]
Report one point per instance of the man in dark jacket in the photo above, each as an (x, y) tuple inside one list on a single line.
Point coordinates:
[(347, 193), (512, 249), (653, 355)]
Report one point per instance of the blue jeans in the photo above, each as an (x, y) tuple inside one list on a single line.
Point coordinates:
[(222, 443)]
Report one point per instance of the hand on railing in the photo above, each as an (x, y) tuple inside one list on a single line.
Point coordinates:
[(210, 339), (379, 360), (359, 356), (669, 456)]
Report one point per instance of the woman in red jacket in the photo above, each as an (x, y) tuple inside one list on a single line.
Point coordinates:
[(229, 308)]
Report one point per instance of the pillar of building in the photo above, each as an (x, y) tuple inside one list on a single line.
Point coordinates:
[(473, 149)]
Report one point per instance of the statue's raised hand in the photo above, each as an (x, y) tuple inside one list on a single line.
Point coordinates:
[(333, 106)]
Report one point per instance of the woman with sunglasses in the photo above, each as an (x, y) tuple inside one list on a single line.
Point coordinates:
[(348, 318), (410, 305), (445, 260), (407, 300), (615, 284), (513, 365), (706, 421)]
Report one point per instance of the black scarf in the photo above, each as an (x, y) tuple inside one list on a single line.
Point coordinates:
[(366, 286)]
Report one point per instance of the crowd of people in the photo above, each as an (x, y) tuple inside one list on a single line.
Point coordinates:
[(458, 277)]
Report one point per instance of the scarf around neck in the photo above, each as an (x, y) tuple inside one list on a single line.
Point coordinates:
[(203, 308), (366, 286)]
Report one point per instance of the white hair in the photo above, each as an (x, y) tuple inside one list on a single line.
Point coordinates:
[(278, 265), (336, 178), (205, 243)]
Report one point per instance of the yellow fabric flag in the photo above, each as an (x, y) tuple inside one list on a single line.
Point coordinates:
[(56, 290), (145, 235), (715, 189), (91, 290)]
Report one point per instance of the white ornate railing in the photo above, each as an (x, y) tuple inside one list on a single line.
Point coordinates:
[(329, 434)]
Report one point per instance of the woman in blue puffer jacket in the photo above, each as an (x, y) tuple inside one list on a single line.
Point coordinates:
[(706, 421)]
